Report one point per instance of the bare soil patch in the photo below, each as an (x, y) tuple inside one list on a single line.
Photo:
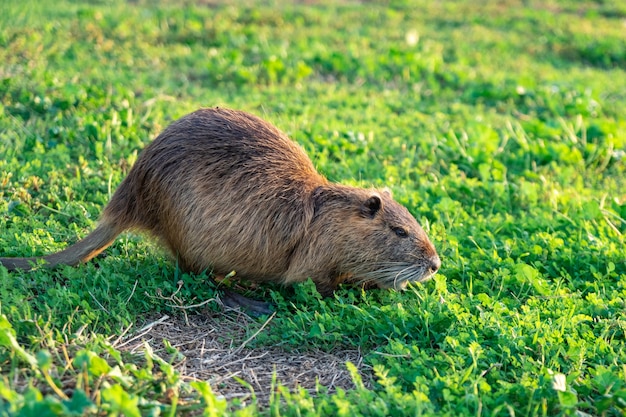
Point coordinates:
[(214, 347)]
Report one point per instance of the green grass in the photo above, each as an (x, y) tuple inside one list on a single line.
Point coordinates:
[(500, 127)]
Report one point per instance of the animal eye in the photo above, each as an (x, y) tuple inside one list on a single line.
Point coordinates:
[(400, 232)]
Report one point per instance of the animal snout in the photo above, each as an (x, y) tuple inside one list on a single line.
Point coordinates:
[(435, 263)]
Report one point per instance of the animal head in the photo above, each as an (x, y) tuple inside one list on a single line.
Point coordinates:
[(380, 242)]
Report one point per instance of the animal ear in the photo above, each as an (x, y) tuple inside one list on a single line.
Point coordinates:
[(387, 191), (371, 206)]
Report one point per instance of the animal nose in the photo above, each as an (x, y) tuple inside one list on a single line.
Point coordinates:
[(435, 263)]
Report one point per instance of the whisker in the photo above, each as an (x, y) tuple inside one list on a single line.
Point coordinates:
[(390, 274)]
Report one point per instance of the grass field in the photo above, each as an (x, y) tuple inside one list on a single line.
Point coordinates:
[(501, 127)]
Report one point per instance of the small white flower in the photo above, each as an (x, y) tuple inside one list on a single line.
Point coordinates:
[(412, 37), (559, 383)]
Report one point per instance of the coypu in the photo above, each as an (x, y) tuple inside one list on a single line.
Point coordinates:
[(224, 190)]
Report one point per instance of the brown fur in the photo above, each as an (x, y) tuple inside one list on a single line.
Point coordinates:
[(225, 190)]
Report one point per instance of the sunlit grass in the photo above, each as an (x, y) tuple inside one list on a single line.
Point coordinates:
[(500, 128)]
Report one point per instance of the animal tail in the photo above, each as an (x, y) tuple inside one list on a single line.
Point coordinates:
[(82, 251)]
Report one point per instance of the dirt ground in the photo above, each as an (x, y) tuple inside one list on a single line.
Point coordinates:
[(215, 349)]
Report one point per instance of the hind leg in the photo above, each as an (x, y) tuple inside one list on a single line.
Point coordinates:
[(233, 299), (230, 298)]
